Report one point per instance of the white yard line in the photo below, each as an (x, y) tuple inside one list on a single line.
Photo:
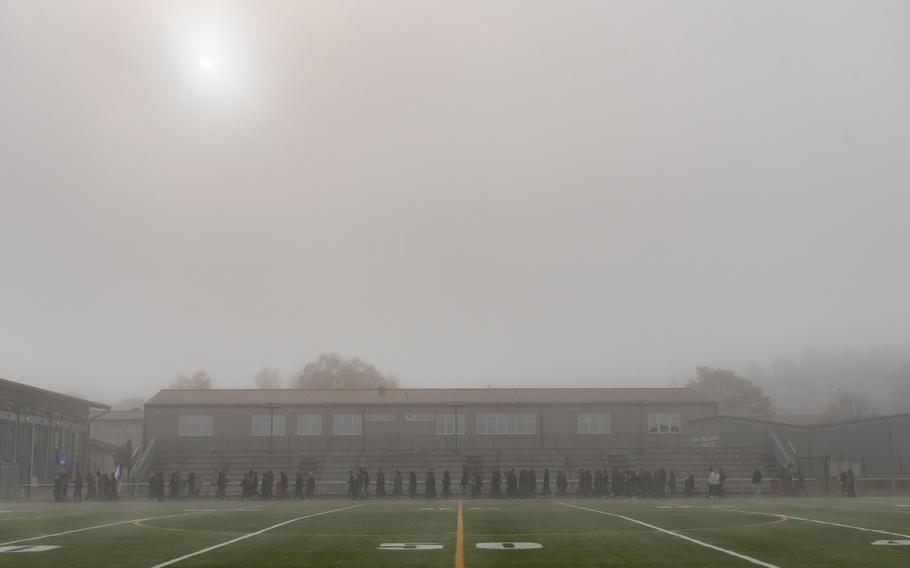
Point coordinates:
[(678, 535), (829, 523), (250, 535), (83, 529)]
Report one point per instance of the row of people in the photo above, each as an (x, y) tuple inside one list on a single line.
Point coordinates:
[(524, 484), (99, 487), (268, 489)]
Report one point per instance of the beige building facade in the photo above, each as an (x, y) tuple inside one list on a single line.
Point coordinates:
[(425, 419)]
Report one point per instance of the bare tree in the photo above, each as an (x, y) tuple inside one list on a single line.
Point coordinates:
[(735, 395), (267, 379), (848, 406), (198, 381), (333, 371)]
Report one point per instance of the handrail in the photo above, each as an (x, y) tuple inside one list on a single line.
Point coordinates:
[(784, 459), (145, 462)]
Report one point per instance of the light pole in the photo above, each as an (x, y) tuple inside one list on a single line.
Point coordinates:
[(271, 407), (455, 405)]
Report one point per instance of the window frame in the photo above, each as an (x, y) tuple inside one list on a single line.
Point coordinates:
[(498, 424), (204, 428), (664, 423), (355, 423), (589, 419)]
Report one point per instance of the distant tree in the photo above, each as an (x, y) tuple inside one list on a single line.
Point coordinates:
[(899, 380), (198, 381), (332, 371), (268, 379), (735, 395), (848, 406)]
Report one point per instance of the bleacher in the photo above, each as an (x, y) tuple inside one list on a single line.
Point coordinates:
[(331, 468)]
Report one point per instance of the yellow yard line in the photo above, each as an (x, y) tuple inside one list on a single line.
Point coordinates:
[(459, 539)]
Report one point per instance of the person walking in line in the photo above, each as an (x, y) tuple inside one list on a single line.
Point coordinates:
[(756, 482)]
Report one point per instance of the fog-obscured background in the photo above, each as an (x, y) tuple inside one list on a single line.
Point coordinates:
[(520, 193)]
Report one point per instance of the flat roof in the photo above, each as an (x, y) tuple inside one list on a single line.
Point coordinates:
[(807, 426), (298, 397), (22, 387), (115, 415)]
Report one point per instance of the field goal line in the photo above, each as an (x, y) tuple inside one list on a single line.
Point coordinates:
[(252, 534), (807, 520), (83, 529), (678, 535)]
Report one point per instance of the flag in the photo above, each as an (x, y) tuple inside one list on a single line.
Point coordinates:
[(62, 460)]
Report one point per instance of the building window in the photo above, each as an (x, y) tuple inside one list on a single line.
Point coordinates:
[(594, 423), (663, 423), (309, 424), (445, 424), (198, 425), (421, 417), (490, 424), (347, 424), (379, 417), (259, 425)]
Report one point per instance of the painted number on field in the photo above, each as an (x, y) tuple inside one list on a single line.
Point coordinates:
[(891, 542), (408, 546), (509, 545), (35, 548)]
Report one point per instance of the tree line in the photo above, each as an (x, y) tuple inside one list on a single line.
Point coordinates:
[(328, 371)]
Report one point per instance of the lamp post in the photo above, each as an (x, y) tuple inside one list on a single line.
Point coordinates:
[(455, 405), (271, 407)]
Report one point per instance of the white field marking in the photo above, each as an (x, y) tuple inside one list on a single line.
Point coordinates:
[(678, 535), (409, 546), (200, 510), (250, 535), (436, 508), (509, 545), (891, 542), (666, 507), (485, 508), (83, 529), (35, 548), (843, 526)]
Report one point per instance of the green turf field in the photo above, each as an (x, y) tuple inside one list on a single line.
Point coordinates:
[(581, 532)]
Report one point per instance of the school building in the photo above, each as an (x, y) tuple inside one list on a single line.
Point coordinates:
[(38, 430)]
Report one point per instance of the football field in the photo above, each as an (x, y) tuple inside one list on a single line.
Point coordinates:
[(571, 532)]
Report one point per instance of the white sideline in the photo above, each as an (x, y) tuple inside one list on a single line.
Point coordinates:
[(91, 528), (804, 519), (678, 535), (250, 535)]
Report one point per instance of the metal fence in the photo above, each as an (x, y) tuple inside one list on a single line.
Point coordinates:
[(13, 475)]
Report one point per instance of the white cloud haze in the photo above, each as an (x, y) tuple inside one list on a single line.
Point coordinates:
[(517, 193)]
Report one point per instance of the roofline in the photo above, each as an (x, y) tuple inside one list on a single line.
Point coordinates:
[(52, 394), (435, 389), (707, 400), (750, 419), (881, 417)]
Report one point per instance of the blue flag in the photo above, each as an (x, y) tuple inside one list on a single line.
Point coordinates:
[(63, 460)]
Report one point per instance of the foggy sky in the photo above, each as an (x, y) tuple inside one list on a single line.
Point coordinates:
[(526, 193)]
